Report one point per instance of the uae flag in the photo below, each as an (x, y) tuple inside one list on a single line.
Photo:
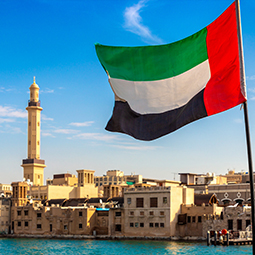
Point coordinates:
[(161, 88)]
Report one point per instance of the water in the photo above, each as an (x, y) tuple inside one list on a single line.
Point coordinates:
[(45, 246)]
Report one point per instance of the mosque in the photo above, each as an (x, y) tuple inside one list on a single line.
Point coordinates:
[(62, 185)]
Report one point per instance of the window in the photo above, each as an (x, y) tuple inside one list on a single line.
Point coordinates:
[(65, 227), (118, 227), (26, 223), (117, 214), (164, 200), (19, 213), (80, 214), (248, 222), (141, 224), (131, 213), (199, 219), (50, 227), (142, 213), (19, 223), (101, 184), (156, 225), (226, 202), (129, 200), (139, 202), (136, 224), (39, 215), (153, 202), (230, 224), (162, 213), (239, 224), (80, 225), (162, 225), (26, 212), (193, 218), (189, 219), (151, 225), (151, 213), (39, 226), (131, 224)]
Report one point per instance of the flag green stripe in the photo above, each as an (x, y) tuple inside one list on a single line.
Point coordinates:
[(150, 63)]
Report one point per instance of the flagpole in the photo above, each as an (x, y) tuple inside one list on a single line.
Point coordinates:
[(247, 129)]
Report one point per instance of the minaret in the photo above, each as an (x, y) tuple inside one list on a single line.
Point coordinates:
[(33, 165)]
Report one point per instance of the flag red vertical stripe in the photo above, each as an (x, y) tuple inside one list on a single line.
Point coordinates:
[(223, 91)]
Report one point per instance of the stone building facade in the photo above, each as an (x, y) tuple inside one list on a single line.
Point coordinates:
[(154, 211), (5, 219)]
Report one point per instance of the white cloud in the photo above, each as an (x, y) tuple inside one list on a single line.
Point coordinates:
[(12, 130), (6, 111), (252, 90), (250, 78), (82, 124), (48, 134), (2, 120), (47, 90), (238, 121), (16, 130), (46, 118), (65, 131), (3, 89), (133, 23), (95, 136)]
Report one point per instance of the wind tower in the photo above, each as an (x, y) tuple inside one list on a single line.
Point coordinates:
[(34, 166)]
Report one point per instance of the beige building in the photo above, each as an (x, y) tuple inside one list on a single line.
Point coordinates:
[(33, 166), (233, 177), (209, 179), (154, 211), (19, 196), (234, 219), (61, 217), (226, 194), (193, 218), (65, 179), (5, 190), (85, 189), (5, 210), (117, 177), (53, 220)]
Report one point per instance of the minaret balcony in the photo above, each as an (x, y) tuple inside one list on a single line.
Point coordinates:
[(33, 160), (31, 103)]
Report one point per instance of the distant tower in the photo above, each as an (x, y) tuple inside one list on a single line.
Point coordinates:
[(34, 166)]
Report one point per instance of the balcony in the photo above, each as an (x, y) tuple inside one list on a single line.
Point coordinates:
[(30, 103)]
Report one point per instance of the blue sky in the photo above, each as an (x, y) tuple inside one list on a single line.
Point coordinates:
[(54, 41)]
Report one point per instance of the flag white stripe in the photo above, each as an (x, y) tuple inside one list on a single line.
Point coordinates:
[(146, 97)]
